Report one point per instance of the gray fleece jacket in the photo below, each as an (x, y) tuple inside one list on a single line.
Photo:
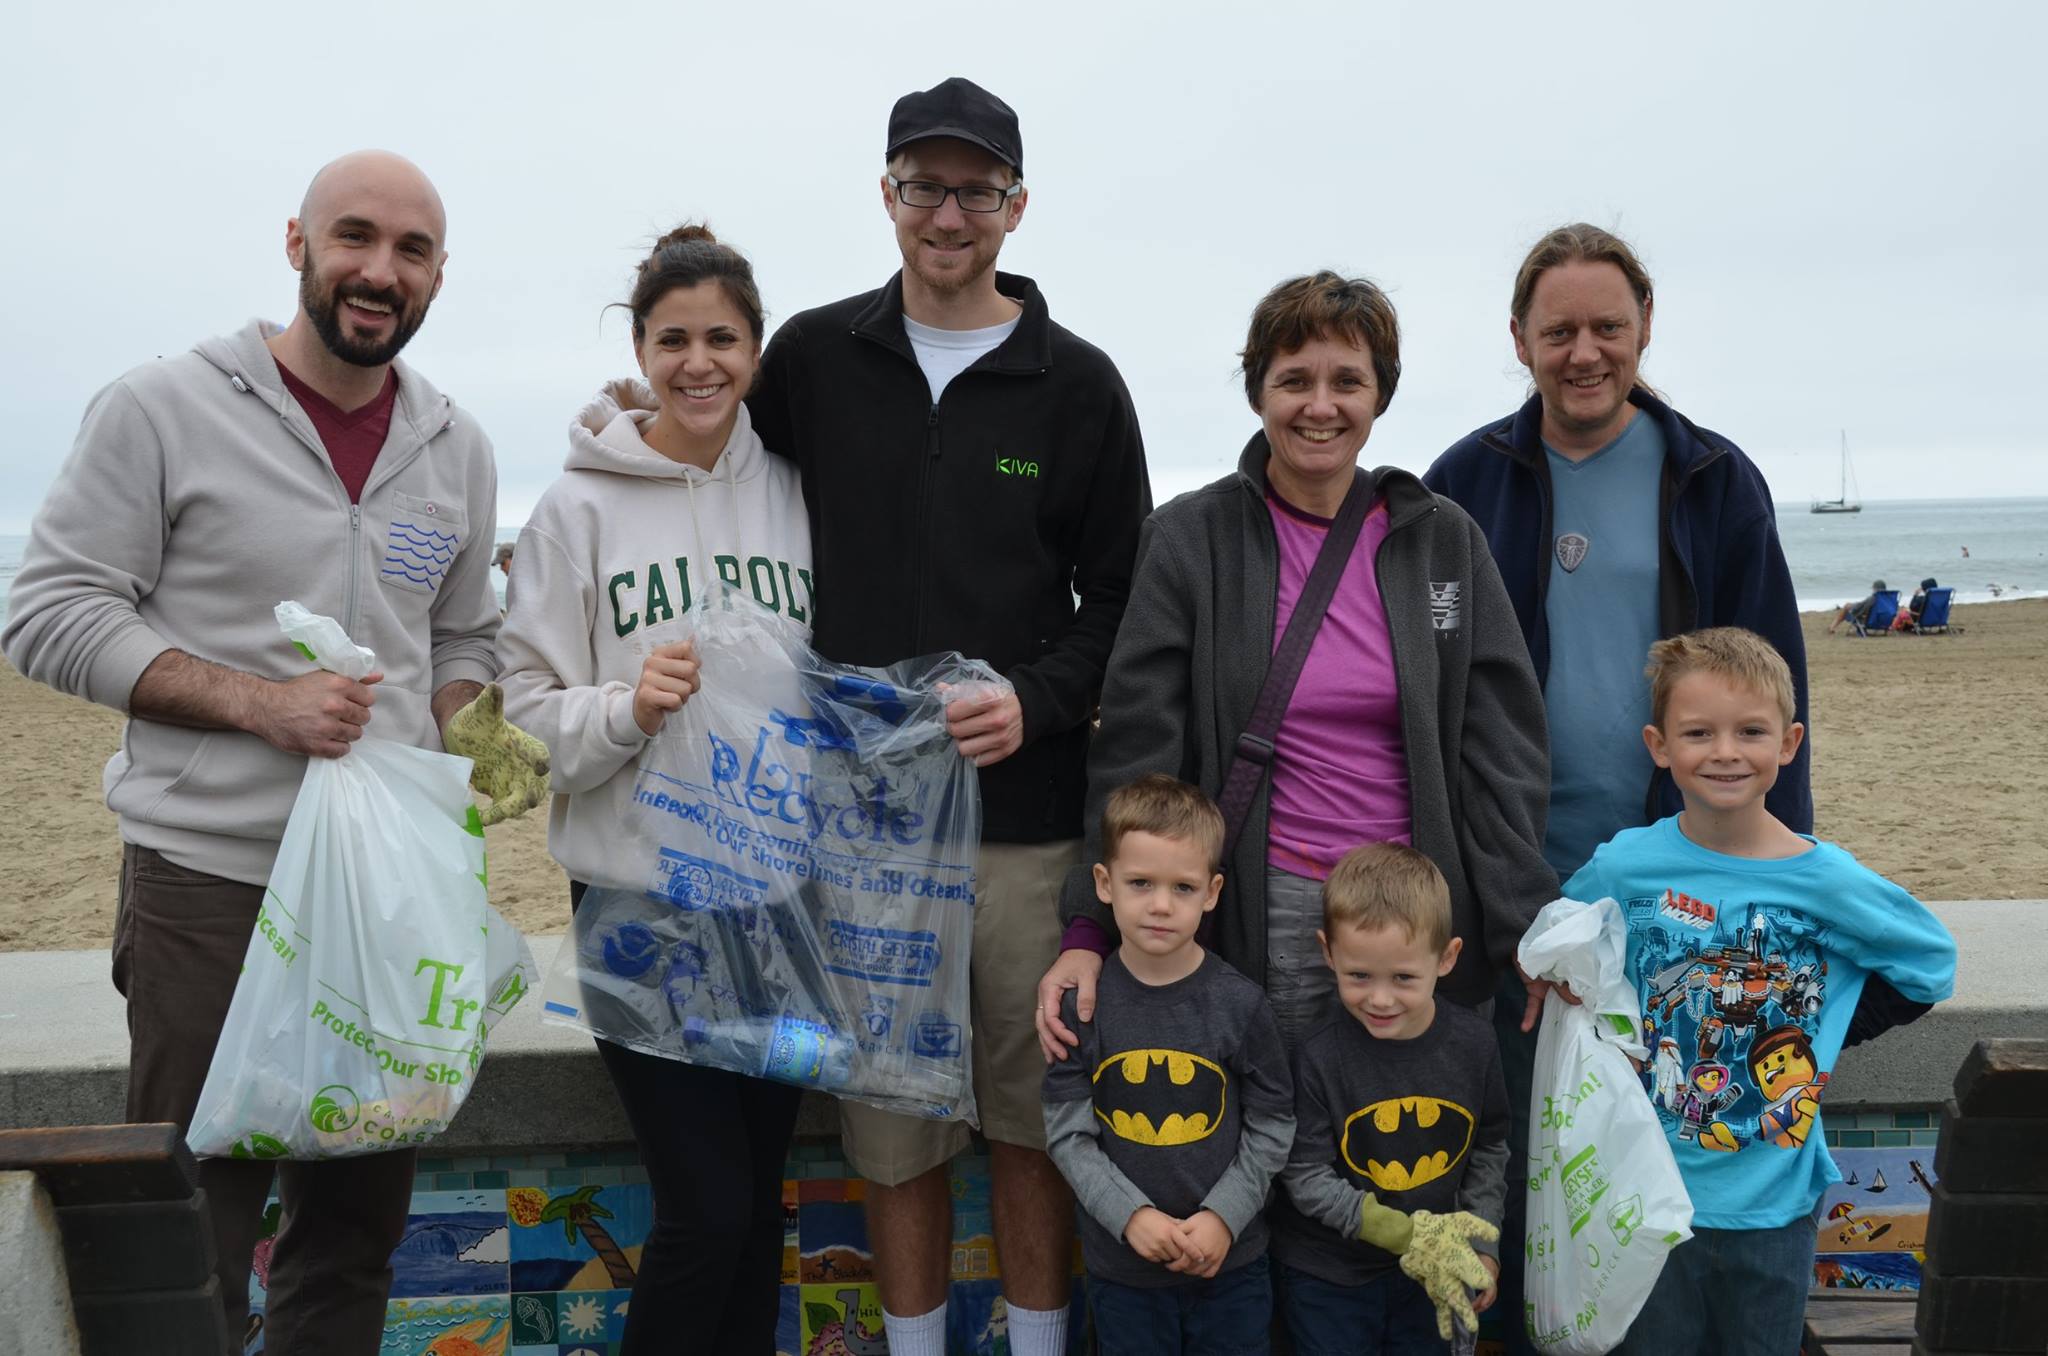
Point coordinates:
[(1193, 650), (196, 498)]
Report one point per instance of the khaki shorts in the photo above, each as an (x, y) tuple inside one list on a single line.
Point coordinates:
[(1016, 939)]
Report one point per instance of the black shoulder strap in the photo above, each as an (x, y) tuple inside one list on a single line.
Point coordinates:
[(1254, 753)]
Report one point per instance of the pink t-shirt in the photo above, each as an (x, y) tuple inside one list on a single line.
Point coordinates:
[(1340, 770)]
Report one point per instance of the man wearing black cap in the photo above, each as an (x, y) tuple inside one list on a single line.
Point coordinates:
[(971, 469)]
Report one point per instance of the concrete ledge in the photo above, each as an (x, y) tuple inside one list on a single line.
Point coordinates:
[(64, 1061), (64, 1045), (35, 1296)]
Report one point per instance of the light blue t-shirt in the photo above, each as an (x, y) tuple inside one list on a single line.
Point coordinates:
[(1602, 612), (1748, 971)]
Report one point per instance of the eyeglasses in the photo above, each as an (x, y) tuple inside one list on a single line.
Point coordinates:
[(971, 197)]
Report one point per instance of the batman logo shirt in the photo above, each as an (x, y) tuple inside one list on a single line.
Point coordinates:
[(1422, 1124), (1400, 1143), (1158, 1099), (1161, 1097)]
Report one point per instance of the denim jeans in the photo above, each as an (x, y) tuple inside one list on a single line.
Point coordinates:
[(1387, 1316), (1729, 1292), (1227, 1315)]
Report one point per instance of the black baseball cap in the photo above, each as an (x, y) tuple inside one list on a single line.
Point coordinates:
[(958, 108)]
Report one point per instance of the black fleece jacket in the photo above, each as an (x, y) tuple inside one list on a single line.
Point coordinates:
[(971, 524)]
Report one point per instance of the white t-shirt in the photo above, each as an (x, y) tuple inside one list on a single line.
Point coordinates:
[(945, 354)]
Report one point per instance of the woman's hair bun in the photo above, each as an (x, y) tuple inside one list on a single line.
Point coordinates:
[(688, 255), (684, 234)]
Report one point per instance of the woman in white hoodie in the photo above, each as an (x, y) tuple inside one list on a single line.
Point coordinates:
[(666, 492)]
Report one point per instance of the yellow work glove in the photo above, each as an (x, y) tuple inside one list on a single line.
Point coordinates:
[(1441, 1258), (1383, 1226), (511, 765)]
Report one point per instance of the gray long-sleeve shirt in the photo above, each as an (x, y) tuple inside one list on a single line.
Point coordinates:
[(1178, 1098), (1420, 1124)]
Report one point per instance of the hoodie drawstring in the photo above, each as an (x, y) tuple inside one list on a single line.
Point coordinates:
[(732, 492)]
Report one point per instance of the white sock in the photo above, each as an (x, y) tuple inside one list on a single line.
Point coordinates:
[(1034, 1332), (924, 1335)]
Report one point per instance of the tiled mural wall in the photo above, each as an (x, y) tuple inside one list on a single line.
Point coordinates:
[(533, 1254)]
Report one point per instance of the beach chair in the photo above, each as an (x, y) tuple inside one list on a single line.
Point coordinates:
[(1934, 616), (1878, 620)]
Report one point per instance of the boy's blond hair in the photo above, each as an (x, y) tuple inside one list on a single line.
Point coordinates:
[(1741, 657), (1164, 806), (1389, 885)]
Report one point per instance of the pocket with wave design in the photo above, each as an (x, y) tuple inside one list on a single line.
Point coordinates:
[(420, 545)]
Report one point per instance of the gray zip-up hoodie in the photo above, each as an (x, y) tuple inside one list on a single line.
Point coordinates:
[(1192, 653), (196, 498)]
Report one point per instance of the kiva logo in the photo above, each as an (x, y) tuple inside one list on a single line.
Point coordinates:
[(1017, 466)]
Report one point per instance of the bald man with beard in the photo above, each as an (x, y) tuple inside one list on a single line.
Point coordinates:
[(305, 463)]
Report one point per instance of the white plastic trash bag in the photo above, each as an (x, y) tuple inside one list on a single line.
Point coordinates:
[(377, 965), (1606, 1203), (792, 895)]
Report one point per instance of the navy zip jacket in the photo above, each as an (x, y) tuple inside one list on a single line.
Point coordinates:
[(969, 524), (1721, 563), (1721, 566)]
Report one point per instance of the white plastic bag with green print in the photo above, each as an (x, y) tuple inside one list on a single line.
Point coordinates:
[(1606, 1203), (377, 965)]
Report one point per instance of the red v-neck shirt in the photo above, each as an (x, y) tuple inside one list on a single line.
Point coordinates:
[(353, 438)]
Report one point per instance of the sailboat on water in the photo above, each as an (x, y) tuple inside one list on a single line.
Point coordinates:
[(1844, 504)]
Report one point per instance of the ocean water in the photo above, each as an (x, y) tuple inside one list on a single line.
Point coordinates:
[(1834, 557), (1984, 548)]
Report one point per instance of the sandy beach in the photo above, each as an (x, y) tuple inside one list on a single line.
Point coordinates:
[(1931, 766)]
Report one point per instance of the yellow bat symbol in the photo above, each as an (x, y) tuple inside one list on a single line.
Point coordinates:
[(1160, 1097), (1431, 1133)]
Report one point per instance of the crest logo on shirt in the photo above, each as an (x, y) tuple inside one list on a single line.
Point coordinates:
[(1446, 604), (1571, 550), (1017, 466)]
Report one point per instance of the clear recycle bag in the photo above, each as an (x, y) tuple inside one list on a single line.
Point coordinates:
[(377, 965), (1606, 1202), (793, 892)]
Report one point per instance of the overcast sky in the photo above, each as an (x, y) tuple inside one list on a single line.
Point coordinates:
[(1843, 205)]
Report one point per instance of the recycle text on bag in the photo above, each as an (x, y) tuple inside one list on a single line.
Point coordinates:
[(793, 893)]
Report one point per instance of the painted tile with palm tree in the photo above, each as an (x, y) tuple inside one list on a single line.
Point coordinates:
[(585, 1238)]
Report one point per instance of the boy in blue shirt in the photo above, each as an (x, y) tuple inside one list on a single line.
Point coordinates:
[(1748, 945)]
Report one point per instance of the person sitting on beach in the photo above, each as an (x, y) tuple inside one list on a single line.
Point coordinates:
[(1918, 604), (265, 464), (1615, 520), (1858, 613), (1770, 942)]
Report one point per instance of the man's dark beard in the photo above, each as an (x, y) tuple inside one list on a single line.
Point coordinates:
[(324, 310)]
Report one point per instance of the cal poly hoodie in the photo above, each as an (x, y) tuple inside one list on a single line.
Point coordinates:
[(627, 540)]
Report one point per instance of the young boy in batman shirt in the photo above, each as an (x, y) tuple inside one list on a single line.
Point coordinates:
[(1398, 1176), (1172, 1117)]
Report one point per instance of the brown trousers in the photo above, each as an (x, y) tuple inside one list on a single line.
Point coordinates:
[(179, 939)]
